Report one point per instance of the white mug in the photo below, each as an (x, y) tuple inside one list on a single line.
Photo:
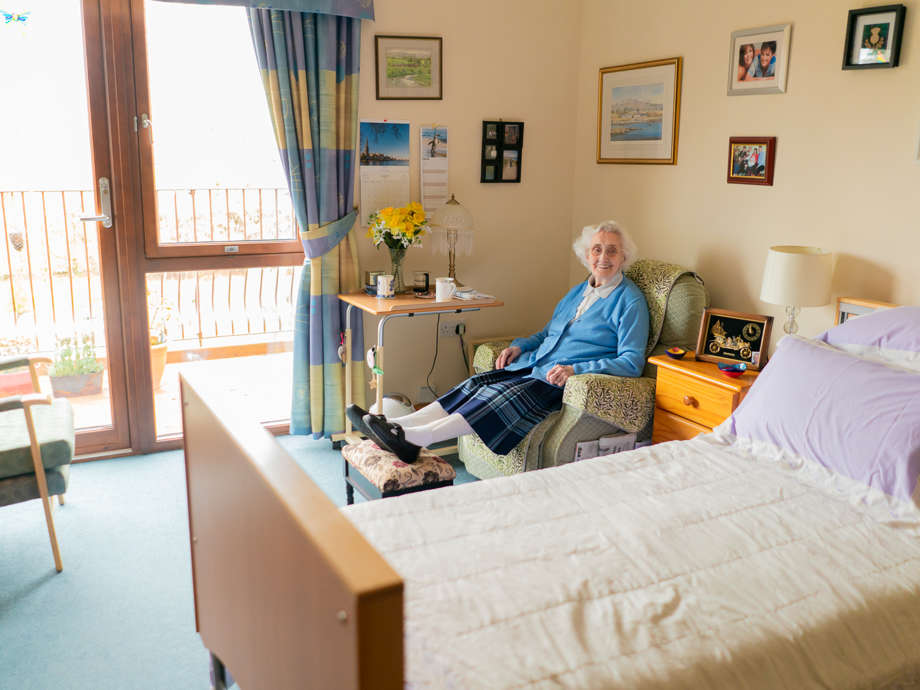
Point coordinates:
[(385, 286), (444, 289)]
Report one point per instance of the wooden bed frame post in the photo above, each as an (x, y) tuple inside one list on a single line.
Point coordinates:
[(288, 593)]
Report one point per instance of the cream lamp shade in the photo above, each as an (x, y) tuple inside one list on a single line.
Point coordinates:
[(797, 277), (453, 230)]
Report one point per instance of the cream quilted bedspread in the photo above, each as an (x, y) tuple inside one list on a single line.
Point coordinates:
[(684, 565)]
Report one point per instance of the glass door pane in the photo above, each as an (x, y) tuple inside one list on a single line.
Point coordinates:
[(212, 165), (235, 325), (53, 283)]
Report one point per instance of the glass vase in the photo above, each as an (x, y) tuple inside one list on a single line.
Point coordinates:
[(396, 258)]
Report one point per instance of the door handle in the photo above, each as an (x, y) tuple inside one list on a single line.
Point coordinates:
[(105, 199)]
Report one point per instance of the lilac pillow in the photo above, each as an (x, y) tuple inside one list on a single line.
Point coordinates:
[(887, 335), (854, 416)]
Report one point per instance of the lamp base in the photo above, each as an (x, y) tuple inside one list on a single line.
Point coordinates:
[(791, 326)]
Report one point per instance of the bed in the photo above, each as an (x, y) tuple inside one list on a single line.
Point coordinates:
[(733, 560)]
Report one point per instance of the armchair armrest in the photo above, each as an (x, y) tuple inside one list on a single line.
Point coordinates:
[(20, 402), (623, 401), (486, 354)]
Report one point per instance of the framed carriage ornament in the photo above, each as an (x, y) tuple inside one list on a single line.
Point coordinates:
[(638, 112), (731, 336)]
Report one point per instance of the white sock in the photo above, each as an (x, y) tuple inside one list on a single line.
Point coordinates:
[(449, 427), (430, 413)]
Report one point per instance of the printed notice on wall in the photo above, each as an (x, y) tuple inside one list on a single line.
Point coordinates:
[(384, 166), (434, 167)]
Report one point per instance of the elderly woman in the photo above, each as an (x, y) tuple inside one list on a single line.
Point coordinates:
[(599, 327)]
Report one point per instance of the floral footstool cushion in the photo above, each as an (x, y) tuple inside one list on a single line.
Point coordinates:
[(387, 475)]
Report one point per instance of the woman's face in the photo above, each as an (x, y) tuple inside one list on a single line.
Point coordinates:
[(748, 56), (605, 256)]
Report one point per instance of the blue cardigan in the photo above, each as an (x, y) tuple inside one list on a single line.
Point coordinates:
[(609, 338)]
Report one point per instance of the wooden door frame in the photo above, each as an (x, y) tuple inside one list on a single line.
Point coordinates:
[(122, 39)]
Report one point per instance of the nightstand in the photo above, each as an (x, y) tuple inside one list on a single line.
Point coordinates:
[(692, 397)]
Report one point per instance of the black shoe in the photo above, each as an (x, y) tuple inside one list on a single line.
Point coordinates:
[(391, 437), (356, 416)]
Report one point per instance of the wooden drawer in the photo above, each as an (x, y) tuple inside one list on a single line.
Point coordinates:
[(693, 399), (671, 427)]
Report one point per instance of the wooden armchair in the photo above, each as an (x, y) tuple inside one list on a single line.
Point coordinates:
[(36, 446)]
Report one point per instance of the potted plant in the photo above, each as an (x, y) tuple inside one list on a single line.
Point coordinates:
[(75, 370), (160, 318)]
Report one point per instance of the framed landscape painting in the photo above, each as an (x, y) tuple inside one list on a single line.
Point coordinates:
[(408, 67), (639, 112)]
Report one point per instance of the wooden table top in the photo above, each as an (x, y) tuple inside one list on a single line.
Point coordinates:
[(706, 371), (409, 304)]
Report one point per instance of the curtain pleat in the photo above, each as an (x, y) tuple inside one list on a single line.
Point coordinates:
[(309, 65)]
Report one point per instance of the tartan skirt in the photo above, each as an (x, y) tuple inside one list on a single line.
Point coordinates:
[(502, 406)]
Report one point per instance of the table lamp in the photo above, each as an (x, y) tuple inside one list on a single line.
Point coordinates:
[(453, 230), (797, 277)]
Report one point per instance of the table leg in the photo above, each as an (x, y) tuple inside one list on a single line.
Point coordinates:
[(348, 389)]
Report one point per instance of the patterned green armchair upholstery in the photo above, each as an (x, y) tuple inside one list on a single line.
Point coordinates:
[(596, 405)]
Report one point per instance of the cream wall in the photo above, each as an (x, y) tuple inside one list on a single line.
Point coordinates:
[(847, 175), (501, 60)]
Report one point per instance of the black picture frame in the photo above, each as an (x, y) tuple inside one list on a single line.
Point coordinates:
[(501, 151), (731, 336), (861, 33)]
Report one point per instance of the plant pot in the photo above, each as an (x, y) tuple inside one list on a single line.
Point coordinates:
[(15, 383), (76, 386), (157, 363)]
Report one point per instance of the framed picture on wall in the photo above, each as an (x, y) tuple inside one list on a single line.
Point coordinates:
[(873, 37), (408, 67), (638, 112), (758, 60), (731, 336), (502, 149), (751, 160)]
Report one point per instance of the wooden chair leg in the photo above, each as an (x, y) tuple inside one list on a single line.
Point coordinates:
[(60, 499), (42, 486)]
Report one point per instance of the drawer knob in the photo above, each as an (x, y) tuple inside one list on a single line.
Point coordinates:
[(691, 401)]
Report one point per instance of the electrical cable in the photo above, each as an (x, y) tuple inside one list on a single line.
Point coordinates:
[(466, 362), (437, 329)]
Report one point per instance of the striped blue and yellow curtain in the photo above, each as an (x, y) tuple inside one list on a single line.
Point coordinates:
[(309, 64)]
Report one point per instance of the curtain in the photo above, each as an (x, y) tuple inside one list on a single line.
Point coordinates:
[(309, 64)]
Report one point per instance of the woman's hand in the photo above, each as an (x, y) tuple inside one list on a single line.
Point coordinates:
[(559, 374), (506, 356)]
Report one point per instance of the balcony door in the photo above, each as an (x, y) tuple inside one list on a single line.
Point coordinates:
[(59, 281)]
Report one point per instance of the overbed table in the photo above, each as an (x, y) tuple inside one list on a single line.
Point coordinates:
[(399, 306)]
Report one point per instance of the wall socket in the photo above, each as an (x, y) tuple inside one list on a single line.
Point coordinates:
[(449, 327)]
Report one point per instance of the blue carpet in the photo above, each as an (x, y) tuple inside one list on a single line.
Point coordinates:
[(121, 613)]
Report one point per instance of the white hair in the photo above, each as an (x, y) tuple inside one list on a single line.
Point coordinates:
[(582, 243)]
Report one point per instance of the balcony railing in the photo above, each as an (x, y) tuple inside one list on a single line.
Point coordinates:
[(49, 267)]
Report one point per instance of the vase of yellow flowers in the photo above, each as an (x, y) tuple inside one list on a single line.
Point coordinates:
[(398, 229)]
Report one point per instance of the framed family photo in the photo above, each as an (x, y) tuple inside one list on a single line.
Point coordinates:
[(758, 60), (751, 160), (873, 37), (731, 336), (408, 67), (638, 112)]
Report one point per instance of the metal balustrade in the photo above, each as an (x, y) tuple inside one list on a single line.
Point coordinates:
[(49, 273)]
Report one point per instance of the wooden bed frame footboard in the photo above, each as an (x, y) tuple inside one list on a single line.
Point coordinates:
[(288, 594)]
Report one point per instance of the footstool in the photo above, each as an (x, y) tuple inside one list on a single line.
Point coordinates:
[(378, 473)]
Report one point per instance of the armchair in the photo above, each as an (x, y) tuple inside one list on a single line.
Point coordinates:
[(36, 447), (596, 405)]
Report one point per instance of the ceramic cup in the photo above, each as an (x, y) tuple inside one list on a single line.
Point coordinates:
[(385, 286), (444, 289)]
